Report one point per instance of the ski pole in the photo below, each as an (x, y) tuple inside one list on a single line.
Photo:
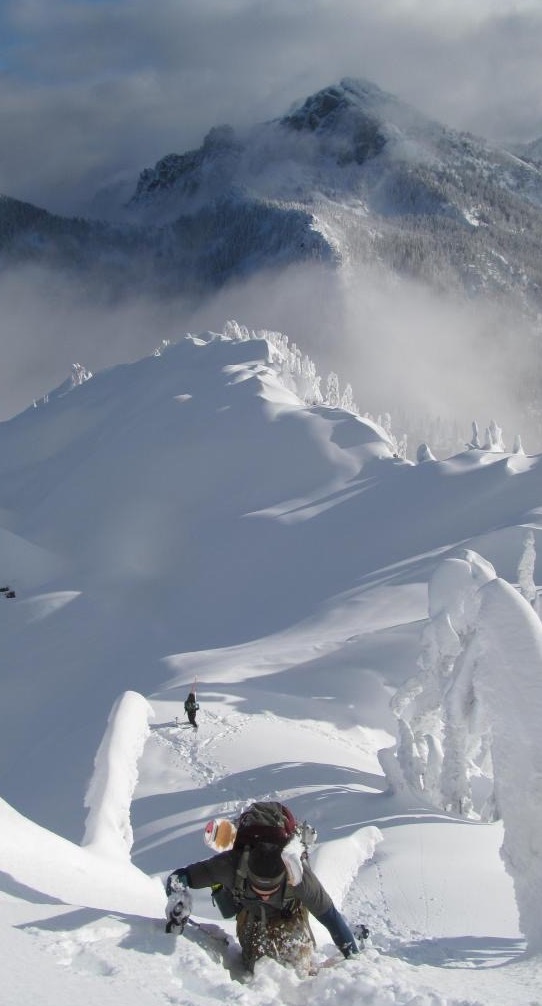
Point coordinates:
[(204, 929)]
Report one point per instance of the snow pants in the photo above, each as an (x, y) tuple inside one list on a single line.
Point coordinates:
[(286, 940)]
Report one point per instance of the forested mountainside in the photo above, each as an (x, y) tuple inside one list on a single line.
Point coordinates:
[(351, 176)]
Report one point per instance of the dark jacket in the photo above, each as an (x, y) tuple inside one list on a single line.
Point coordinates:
[(223, 869)]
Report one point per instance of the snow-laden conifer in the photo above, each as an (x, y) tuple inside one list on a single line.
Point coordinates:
[(526, 567)]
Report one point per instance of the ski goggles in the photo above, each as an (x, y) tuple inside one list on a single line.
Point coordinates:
[(264, 893)]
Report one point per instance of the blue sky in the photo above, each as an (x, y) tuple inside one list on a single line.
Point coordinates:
[(95, 90)]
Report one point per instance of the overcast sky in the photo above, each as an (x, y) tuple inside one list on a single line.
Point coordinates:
[(91, 92)]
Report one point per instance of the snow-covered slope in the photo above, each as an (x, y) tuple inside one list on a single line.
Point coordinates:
[(190, 520), (195, 489)]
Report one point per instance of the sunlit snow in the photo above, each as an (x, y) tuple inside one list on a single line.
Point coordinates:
[(346, 618)]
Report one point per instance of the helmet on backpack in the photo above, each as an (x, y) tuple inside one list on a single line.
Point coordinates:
[(265, 821)]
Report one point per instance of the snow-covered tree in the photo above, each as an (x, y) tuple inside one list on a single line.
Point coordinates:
[(309, 383), (333, 396), (164, 345), (526, 568), (479, 689), (506, 661), (384, 421), (493, 439), (496, 438), (108, 827), (347, 399), (424, 453), (401, 447), (79, 374), (487, 445), (437, 704), (238, 333), (475, 439), (517, 446)]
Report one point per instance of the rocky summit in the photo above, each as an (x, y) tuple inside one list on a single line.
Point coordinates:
[(350, 176)]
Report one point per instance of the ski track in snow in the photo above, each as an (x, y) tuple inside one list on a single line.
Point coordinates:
[(374, 912), (375, 980), (322, 577), (133, 957), (192, 749)]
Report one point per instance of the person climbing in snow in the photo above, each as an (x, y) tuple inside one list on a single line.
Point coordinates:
[(271, 912), (191, 707)]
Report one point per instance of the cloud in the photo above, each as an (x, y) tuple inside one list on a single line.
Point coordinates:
[(404, 349), (91, 91), (50, 321)]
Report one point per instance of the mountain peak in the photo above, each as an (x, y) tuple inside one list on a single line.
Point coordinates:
[(331, 101), (358, 107), (351, 176), (339, 110)]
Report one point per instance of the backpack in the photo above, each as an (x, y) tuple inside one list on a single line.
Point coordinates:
[(268, 822), (191, 705), (265, 821)]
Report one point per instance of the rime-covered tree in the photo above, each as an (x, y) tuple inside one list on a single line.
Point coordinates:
[(347, 399), (496, 438), (479, 689), (475, 439), (79, 374), (424, 453), (517, 447), (333, 396), (526, 568)]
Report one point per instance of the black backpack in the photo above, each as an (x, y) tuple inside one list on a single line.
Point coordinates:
[(270, 823), (265, 821)]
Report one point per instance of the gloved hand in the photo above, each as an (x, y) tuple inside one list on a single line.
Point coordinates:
[(176, 881), (179, 904), (349, 950), (178, 909)]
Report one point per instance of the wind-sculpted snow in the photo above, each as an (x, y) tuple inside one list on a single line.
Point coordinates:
[(195, 501), (100, 874), (213, 526), (48, 863), (123, 956), (108, 830), (479, 690), (507, 654)]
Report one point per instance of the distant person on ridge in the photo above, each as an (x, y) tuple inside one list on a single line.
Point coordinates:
[(191, 707), (270, 900)]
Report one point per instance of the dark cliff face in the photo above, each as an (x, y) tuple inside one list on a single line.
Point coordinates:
[(218, 155), (333, 111)]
